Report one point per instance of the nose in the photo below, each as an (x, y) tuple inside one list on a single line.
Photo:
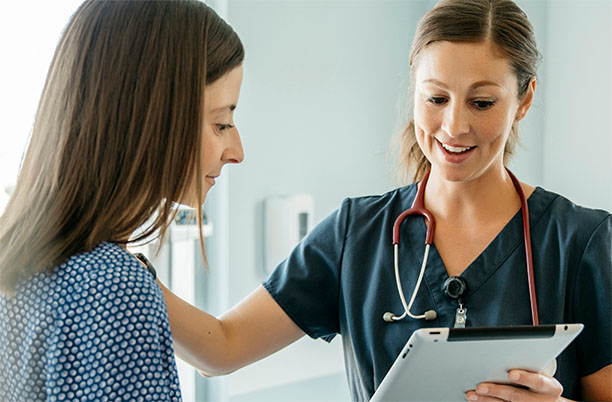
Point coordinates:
[(233, 151), (456, 120)]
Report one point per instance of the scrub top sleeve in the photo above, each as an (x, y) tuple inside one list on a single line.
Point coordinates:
[(592, 301), (306, 284)]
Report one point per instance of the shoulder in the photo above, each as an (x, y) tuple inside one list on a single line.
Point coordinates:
[(105, 278), (90, 273), (107, 297), (373, 206), (364, 216), (106, 261), (360, 216), (574, 231), (554, 209)]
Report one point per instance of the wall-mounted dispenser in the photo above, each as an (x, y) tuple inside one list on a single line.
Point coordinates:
[(287, 220)]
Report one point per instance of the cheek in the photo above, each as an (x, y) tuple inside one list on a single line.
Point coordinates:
[(425, 119), (210, 146), (496, 128), (425, 125), (497, 123)]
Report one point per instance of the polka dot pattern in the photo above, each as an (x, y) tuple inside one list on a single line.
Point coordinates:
[(95, 329)]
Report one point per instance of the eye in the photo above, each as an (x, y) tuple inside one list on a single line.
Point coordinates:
[(223, 127), (436, 100), (483, 104)]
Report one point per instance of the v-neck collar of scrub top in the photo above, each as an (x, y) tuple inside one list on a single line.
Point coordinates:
[(478, 271)]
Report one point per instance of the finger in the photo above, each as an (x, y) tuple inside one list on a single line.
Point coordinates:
[(502, 392), (536, 382), (473, 396)]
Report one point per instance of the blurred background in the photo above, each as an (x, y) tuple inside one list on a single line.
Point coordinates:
[(321, 99)]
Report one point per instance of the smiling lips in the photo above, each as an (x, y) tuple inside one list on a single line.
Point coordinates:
[(456, 150), (454, 153)]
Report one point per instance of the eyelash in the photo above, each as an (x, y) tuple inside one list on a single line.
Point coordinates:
[(479, 104), (223, 127)]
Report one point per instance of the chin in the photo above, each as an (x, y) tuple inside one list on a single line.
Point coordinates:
[(193, 203), (453, 174)]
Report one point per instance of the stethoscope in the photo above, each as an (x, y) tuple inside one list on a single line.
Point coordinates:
[(454, 287)]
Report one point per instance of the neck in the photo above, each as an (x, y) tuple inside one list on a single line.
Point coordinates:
[(480, 199), (123, 245)]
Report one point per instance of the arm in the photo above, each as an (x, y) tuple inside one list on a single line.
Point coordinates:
[(306, 283), (595, 387), (253, 329), (598, 386)]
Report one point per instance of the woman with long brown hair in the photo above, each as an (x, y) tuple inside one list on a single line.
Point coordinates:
[(136, 115)]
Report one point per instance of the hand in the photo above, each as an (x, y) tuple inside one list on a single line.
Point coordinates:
[(539, 387)]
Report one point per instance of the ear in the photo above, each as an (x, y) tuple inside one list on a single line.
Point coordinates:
[(526, 101)]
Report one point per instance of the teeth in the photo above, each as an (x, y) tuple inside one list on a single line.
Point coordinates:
[(455, 149)]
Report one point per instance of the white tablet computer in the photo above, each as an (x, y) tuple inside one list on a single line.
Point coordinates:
[(441, 364)]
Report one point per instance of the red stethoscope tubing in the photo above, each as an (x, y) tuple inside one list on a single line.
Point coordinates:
[(528, 254), (418, 208)]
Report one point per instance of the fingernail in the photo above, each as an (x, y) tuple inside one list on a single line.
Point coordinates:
[(482, 390), (473, 397), (514, 376)]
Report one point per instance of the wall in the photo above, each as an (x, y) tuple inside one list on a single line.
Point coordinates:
[(317, 110), (577, 144), (27, 42), (527, 161)]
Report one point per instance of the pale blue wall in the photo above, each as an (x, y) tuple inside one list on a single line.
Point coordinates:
[(317, 111), (577, 148), (527, 161)]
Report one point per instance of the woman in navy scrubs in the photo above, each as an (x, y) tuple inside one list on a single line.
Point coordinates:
[(473, 67)]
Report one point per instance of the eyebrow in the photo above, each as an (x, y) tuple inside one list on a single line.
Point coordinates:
[(474, 86), (220, 109)]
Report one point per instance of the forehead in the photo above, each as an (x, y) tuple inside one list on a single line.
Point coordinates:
[(460, 64), (224, 91)]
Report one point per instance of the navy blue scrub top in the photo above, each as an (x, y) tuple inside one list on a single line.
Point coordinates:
[(340, 280)]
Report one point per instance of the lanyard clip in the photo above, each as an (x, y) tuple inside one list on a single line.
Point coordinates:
[(460, 315)]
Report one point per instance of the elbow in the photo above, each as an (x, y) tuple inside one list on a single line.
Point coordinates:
[(219, 363), (204, 374), (209, 367), (219, 371)]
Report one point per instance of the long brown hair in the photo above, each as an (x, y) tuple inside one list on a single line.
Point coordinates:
[(500, 21), (116, 138)]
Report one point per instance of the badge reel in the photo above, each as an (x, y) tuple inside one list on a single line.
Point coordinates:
[(455, 288)]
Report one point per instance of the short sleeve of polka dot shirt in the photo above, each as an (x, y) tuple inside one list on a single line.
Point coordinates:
[(94, 330)]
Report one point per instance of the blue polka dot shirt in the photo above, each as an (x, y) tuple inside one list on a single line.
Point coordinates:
[(95, 329)]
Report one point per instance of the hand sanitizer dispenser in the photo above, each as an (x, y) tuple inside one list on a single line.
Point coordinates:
[(287, 220)]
